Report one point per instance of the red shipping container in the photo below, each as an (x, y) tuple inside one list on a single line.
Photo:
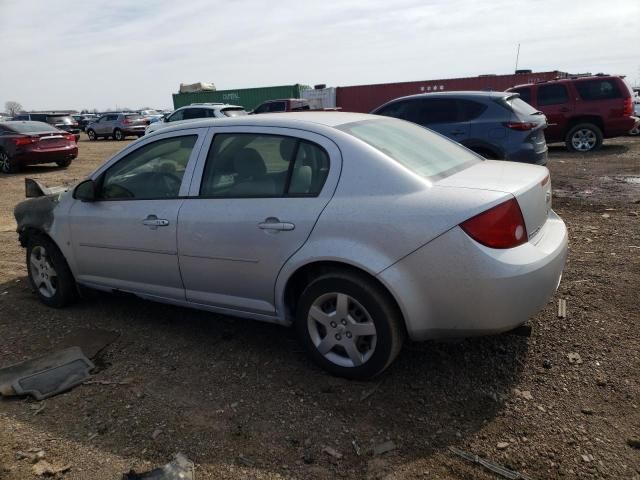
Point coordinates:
[(364, 98)]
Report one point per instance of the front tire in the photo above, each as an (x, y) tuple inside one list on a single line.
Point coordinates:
[(583, 138), (118, 135), (349, 325), (7, 165), (49, 273)]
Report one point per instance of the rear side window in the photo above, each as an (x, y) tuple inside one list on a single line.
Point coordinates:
[(277, 107), (191, 113), (518, 105), (245, 165), (395, 109), (469, 110), (525, 94), (423, 152), (433, 110), (604, 89), (233, 112), (552, 94)]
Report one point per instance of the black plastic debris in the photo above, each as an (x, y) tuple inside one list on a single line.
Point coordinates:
[(181, 468), (46, 376)]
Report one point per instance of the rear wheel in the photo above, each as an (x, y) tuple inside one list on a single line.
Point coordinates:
[(635, 131), (92, 135), (584, 137), (7, 165), (64, 163), (349, 325), (49, 274), (118, 135)]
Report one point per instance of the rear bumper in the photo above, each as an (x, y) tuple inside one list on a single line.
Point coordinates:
[(619, 127), (456, 287), (134, 130), (51, 156), (529, 155)]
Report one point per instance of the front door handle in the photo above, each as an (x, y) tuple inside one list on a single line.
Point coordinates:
[(273, 223), (153, 222)]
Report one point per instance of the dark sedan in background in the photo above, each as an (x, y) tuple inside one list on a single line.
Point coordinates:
[(496, 125), (29, 143)]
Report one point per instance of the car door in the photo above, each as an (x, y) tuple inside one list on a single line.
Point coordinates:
[(126, 238), (556, 103), (255, 198)]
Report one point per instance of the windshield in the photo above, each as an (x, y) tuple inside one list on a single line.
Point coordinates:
[(234, 112), (420, 150), (31, 127)]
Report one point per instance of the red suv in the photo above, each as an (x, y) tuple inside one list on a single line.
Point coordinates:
[(581, 111)]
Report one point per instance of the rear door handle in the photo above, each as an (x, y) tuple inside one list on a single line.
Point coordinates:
[(153, 222), (272, 223)]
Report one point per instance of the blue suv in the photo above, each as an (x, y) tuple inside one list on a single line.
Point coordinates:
[(496, 125)]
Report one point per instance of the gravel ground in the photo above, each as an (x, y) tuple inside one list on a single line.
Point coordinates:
[(242, 401)]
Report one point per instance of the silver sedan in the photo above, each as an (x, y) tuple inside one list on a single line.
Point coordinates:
[(356, 229)]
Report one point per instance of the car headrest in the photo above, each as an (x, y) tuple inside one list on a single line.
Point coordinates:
[(248, 163)]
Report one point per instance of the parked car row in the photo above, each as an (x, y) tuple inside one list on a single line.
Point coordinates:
[(61, 121)]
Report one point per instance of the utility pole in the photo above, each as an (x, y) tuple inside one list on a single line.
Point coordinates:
[(517, 58)]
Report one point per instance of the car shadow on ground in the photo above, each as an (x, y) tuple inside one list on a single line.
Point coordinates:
[(605, 150), (211, 386)]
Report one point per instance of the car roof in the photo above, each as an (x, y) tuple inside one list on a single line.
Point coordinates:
[(285, 120), (567, 80), (457, 94), (212, 106)]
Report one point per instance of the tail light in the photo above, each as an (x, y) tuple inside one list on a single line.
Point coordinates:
[(21, 141), (521, 126), (71, 137), (628, 107), (126, 121), (499, 227)]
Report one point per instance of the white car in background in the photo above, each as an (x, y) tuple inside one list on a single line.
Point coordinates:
[(636, 111), (197, 111)]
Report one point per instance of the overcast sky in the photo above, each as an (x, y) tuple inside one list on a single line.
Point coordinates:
[(72, 55)]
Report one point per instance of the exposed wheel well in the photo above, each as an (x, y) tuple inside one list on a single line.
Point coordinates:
[(301, 278), (597, 121), (27, 232)]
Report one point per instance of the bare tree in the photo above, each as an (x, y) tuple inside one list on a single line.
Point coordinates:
[(12, 108)]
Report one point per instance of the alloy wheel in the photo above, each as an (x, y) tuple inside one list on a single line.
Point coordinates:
[(42, 272), (584, 140), (5, 163), (341, 329)]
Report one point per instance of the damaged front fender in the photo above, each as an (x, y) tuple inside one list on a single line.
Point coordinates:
[(37, 212)]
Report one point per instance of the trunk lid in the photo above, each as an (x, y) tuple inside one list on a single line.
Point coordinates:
[(529, 184), (48, 141)]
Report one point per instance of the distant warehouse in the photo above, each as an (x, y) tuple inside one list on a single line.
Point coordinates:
[(364, 98)]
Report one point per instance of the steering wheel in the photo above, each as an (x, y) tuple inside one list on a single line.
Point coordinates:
[(172, 182)]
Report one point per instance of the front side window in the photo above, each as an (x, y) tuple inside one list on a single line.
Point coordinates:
[(153, 171), (257, 165), (191, 113), (552, 95), (525, 94), (604, 89), (422, 151)]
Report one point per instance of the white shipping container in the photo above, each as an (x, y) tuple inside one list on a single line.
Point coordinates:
[(318, 99), (197, 87)]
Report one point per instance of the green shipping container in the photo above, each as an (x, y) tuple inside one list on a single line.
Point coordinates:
[(249, 98)]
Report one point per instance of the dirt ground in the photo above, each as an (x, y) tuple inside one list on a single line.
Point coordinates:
[(241, 399)]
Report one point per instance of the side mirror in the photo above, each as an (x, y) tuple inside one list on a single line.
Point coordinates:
[(85, 191)]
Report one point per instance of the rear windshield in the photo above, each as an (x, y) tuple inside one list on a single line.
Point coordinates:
[(60, 119), (233, 112), (31, 127), (520, 106), (420, 150), (133, 117)]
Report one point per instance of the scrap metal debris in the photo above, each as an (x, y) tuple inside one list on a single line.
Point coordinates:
[(562, 308), (46, 376), (494, 467), (181, 468)]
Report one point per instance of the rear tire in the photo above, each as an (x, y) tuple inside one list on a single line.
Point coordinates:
[(118, 135), (92, 135), (349, 325), (635, 131), (49, 273), (7, 165), (583, 138), (64, 163)]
